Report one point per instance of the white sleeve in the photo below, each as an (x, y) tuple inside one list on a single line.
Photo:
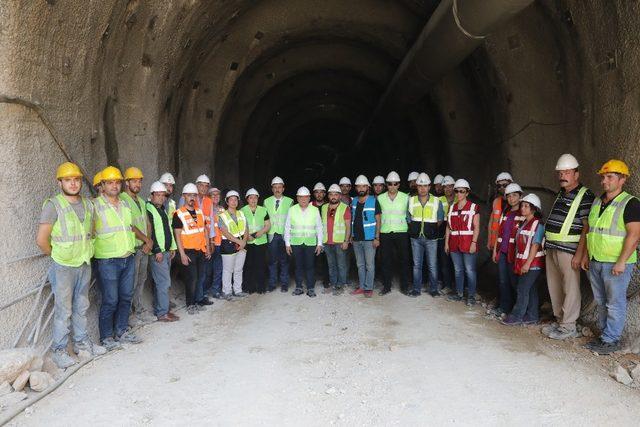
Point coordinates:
[(287, 230), (319, 229)]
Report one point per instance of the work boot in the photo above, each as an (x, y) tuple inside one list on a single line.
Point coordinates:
[(88, 346), (110, 344), (606, 347), (414, 294), (548, 329), (297, 291), (511, 321), (129, 337), (311, 293), (284, 288), (596, 342), (205, 301), (455, 297), (62, 359), (562, 333), (471, 301)]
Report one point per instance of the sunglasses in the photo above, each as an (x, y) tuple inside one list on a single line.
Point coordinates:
[(459, 191), (392, 184), (501, 185)]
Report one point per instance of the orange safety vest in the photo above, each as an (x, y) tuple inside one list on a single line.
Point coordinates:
[(494, 219), (193, 234)]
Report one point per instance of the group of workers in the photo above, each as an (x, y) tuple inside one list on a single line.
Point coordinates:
[(227, 251)]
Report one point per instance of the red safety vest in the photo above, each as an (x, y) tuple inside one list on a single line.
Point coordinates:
[(461, 227), (517, 221), (524, 240)]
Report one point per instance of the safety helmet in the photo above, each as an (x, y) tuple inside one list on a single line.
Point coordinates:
[(423, 179), (111, 173), (204, 179), (231, 193), (158, 187), (567, 162), (214, 190), (303, 191), (362, 180), (190, 188), (345, 181), (167, 178), (319, 187), (97, 179), (438, 179), (512, 188), (533, 200), (614, 166), (462, 183), (504, 176), (413, 176), (277, 180), (68, 170), (133, 173), (251, 192), (378, 180), (448, 180), (334, 188), (393, 177)]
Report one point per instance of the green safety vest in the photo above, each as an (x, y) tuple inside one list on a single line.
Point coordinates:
[(236, 229), (139, 218), (71, 243), (256, 223), (339, 224), (303, 225), (563, 235), (279, 217), (393, 216), (445, 205), (113, 235), (171, 209), (158, 228), (427, 213), (605, 238)]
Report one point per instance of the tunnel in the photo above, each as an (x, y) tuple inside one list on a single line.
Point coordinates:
[(308, 90)]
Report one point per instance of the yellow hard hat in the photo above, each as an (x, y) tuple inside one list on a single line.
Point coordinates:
[(111, 173), (133, 173), (97, 179), (614, 166), (68, 170)]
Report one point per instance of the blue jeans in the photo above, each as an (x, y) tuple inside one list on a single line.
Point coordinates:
[(337, 264), (507, 281), (70, 286), (422, 249), (365, 260), (278, 256), (464, 267), (116, 286), (445, 266), (527, 296), (161, 273), (304, 257), (610, 293), (215, 276)]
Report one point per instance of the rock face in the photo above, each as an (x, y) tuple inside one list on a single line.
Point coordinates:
[(13, 362), (21, 381), (40, 381)]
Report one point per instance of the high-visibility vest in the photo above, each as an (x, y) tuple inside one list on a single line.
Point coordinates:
[(113, 235), (214, 223), (139, 217), (517, 221), (158, 228), (445, 205), (277, 217), (605, 238), (193, 232), (368, 216), (170, 208), (236, 228), (426, 213), (71, 243), (255, 221), (461, 227), (494, 219), (303, 225), (393, 217), (339, 224), (563, 236), (524, 241)]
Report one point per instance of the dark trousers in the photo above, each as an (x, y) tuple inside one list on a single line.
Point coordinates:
[(527, 299), (507, 281), (395, 246), (278, 256), (255, 271), (445, 266), (304, 257), (194, 271), (116, 286)]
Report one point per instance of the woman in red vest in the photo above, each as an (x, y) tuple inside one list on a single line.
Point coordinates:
[(528, 262), (461, 242)]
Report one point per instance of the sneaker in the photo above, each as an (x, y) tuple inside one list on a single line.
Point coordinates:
[(297, 291), (88, 346), (368, 294), (384, 291), (166, 318), (192, 309), (444, 291), (129, 337), (311, 293), (110, 344), (434, 294), (205, 301), (496, 311), (471, 301), (527, 321), (562, 333), (606, 347), (226, 297), (511, 321), (62, 359), (358, 291), (548, 329), (414, 294), (596, 342), (241, 295), (455, 297), (284, 288)]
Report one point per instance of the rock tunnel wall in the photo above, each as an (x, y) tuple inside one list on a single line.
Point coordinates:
[(229, 88)]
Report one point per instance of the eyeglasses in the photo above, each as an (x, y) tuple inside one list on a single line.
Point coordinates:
[(392, 184), (459, 191), (501, 185)]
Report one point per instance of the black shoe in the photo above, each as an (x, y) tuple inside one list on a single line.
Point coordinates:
[(434, 294), (271, 289), (284, 288), (596, 342), (217, 295), (204, 302), (606, 348), (311, 293), (384, 291), (455, 297), (414, 294), (326, 285), (297, 291), (471, 301)]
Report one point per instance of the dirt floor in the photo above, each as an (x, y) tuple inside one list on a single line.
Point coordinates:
[(283, 360)]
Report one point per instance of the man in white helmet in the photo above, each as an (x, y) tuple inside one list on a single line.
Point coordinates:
[(445, 265), (336, 220), (169, 204), (378, 185), (203, 201), (345, 187), (278, 207), (319, 195), (411, 183), (319, 200), (215, 239), (498, 205), (565, 239), (437, 185)]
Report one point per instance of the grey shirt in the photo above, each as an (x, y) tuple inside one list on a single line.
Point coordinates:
[(50, 215)]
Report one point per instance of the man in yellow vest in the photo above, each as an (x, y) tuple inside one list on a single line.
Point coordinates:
[(303, 235), (115, 241), (277, 207), (132, 186), (64, 233), (336, 222), (612, 241)]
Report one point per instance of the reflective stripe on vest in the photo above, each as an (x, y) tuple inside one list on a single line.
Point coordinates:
[(192, 233), (339, 224), (71, 243), (607, 232), (158, 228), (139, 217), (255, 222), (393, 218), (236, 228), (113, 235), (303, 225), (279, 217), (563, 236), (461, 227), (524, 241)]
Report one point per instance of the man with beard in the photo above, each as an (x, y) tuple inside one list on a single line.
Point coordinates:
[(378, 185), (437, 185), (411, 182), (319, 195), (345, 188), (336, 220), (64, 233)]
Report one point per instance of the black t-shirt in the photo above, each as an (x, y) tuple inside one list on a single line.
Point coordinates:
[(177, 222), (631, 210), (358, 229)]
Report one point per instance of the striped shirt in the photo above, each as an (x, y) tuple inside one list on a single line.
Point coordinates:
[(559, 213)]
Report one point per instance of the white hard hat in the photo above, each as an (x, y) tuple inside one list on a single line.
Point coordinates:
[(567, 162), (167, 178), (251, 192), (448, 180), (504, 176), (214, 190), (158, 187), (334, 188), (303, 191), (203, 178), (462, 183), (413, 176), (277, 180), (231, 193), (423, 179), (190, 188), (393, 177), (345, 181), (512, 188), (362, 180), (532, 199), (438, 179), (319, 187), (378, 180)]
